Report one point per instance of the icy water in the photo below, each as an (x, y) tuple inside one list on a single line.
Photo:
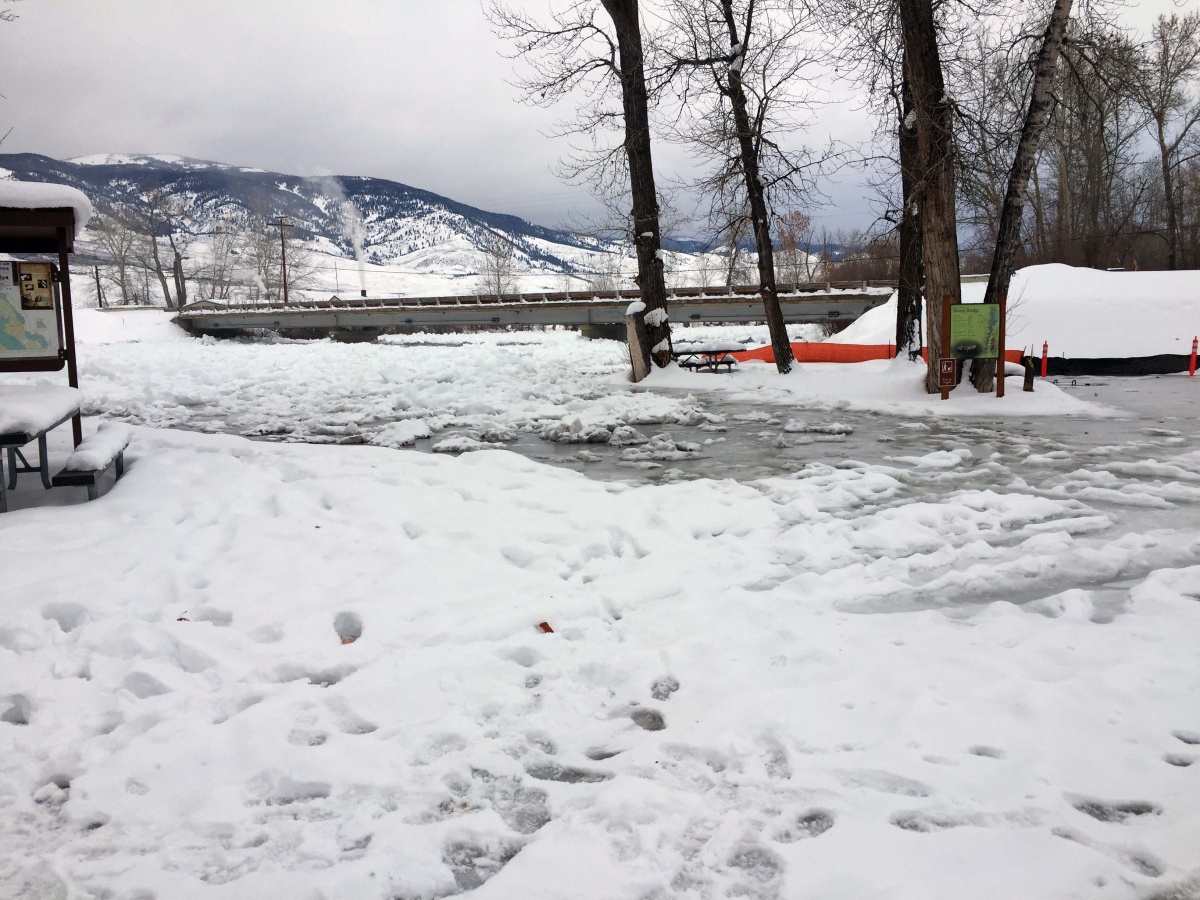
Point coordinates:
[(1160, 418), (1115, 470)]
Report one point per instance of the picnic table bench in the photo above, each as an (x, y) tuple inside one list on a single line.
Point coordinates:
[(97, 454), (27, 414), (709, 356)]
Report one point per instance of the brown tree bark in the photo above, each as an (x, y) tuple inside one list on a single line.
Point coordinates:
[(1008, 239), (908, 300), (935, 138), (759, 215), (647, 241)]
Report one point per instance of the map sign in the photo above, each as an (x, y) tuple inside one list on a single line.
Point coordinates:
[(975, 331), (28, 313)]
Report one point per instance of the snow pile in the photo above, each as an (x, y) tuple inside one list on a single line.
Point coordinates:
[(40, 195), (268, 670), (894, 386), (126, 325), (1080, 312)]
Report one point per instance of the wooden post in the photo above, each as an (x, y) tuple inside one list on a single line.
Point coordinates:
[(1001, 361), (64, 278)]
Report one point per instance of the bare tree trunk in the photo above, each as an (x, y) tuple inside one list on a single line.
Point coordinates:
[(647, 242), (1169, 196), (759, 215), (908, 300), (935, 137), (158, 269), (1008, 240)]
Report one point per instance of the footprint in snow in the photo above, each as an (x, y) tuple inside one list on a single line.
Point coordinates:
[(1113, 810)]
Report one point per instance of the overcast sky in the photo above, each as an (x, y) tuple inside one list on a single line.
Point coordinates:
[(411, 90)]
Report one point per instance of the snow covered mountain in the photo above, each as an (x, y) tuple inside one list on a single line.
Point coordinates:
[(397, 221)]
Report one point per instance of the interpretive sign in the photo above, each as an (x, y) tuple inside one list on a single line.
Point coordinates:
[(947, 373), (975, 330), (29, 324)]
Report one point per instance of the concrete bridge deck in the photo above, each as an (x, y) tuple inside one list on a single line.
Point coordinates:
[(815, 302)]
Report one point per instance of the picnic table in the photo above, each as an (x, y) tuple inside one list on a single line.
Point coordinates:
[(709, 356), (28, 413)]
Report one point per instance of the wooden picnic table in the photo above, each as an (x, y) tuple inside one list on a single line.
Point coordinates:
[(709, 355), (28, 413)]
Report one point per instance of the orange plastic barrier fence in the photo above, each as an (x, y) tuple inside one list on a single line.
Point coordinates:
[(838, 353)]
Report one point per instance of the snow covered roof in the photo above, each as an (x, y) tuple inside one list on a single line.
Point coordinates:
[(43, 195)]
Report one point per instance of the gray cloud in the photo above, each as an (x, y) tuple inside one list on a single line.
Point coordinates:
[(412, 90)]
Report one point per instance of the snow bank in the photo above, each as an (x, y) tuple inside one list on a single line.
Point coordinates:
[(39, 195), (122, 325), (1081, 312), (893, 386), (264, 670)]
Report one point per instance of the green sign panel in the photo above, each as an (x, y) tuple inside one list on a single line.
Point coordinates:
[(975, 331)]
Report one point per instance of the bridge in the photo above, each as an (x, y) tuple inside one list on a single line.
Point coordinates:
[(596, 313)]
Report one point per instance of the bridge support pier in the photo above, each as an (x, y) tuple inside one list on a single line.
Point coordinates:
[(603, 332)]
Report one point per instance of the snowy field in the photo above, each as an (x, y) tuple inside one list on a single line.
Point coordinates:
[(935, 658)]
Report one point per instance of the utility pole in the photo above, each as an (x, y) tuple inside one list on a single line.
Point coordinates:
[(283, 257)]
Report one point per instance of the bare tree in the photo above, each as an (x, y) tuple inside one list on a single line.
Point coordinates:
[(262, 250), (221, 271), (497, 274), (793, 263), (1168, 68), (117, 241), (577, 50), (737, 65)]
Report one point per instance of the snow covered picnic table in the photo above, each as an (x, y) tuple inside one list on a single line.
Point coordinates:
[(708, 355), (27, 413)]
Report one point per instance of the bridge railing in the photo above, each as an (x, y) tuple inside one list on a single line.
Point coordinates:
[(716, 293)]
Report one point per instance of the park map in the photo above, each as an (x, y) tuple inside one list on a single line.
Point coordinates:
[(23, 332)]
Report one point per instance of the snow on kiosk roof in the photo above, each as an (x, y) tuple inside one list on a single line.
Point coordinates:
[(31, 213)]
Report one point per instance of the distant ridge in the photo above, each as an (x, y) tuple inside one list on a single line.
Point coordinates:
[(398, 220)]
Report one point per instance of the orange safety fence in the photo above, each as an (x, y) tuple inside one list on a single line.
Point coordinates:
[(805, 352)]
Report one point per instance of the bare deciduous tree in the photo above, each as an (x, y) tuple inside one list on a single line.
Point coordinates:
[(574, 50), (499, 267), (736, 66), (117, 241), (1168, 68)]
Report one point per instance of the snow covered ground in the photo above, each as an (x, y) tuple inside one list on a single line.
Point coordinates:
[(959, 662)]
